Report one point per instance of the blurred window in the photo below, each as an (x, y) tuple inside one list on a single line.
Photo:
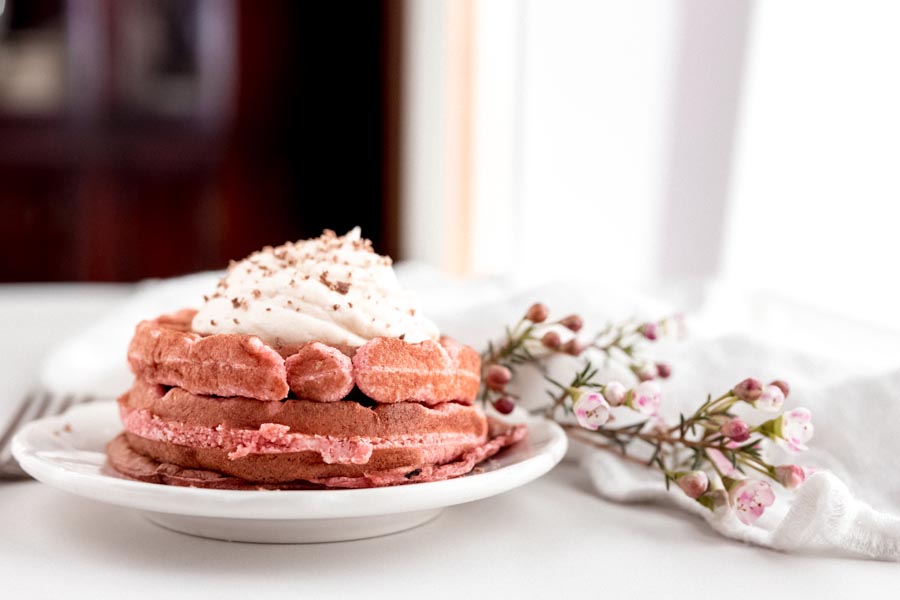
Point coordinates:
[(32, 56)]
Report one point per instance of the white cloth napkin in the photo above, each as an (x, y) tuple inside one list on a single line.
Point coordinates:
[(847, 373), (847, 508)]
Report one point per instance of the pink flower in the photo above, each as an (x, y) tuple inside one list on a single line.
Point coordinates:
[(736, 429), (790, 476), (718, 459), (664, 370), (645, 398), (650, 331), (794, 428), (771, 399), (750, 498), (693, 483), (591, 410), (615, 393), (748, 390)]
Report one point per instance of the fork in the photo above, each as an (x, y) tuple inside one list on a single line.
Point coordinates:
[(35, 405)]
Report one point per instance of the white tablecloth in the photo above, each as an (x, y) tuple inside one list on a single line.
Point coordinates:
[(551, 538)]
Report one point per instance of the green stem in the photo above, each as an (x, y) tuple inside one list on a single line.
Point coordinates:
[(753, 466), (753, 462)]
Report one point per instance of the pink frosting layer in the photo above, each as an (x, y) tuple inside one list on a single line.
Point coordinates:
[(435, 472), (272, 438)]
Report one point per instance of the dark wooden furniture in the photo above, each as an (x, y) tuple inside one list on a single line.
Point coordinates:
[(192, 132)]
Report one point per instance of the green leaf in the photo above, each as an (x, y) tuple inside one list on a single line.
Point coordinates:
[(555, 382), (655, 455), (585, 370), (698, 460), (661, 464)]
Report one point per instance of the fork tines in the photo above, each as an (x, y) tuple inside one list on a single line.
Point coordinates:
[(35, 405)]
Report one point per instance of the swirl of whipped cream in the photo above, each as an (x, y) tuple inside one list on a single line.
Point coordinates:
[(330, 289)]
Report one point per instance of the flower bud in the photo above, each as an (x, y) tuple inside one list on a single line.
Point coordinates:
[(497, 377), (615, 393), (771, 399), (551, 340), (693, 483), (748, 390), (736, 429), (664, 370), (714, 499), (790, 476), (572, 323), (572, 347), (645, 398), (592, 410), (504, 405), (537, 313), (645, 371), (649, 331), (783, 386)]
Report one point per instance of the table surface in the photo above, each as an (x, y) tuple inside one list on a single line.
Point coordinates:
[(551, 538)]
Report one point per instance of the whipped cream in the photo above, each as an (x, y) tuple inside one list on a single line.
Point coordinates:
[(334, 290)]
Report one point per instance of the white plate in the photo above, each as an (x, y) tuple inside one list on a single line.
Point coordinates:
[(67, 452)]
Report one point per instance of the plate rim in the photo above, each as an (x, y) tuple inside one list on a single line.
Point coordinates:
[(277, 504)]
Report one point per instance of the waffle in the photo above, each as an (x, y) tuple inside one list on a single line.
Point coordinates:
[(157, 462), (165, 351), (390, 370), (319, 372), (228, 411)]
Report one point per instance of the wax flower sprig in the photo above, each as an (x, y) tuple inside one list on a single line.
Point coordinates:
[(534, 339), (713, 455), (624, 342), (531, 340)]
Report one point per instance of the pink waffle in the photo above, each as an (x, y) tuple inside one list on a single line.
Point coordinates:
[(391, 370), (165, 351), (319, 372)]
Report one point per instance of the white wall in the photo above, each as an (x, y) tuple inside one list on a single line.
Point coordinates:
[(656, 139), (585, 117), (595, 93), (816, 195), (423, 196)]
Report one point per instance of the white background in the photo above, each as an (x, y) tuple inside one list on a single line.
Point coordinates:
[(654, 141)]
